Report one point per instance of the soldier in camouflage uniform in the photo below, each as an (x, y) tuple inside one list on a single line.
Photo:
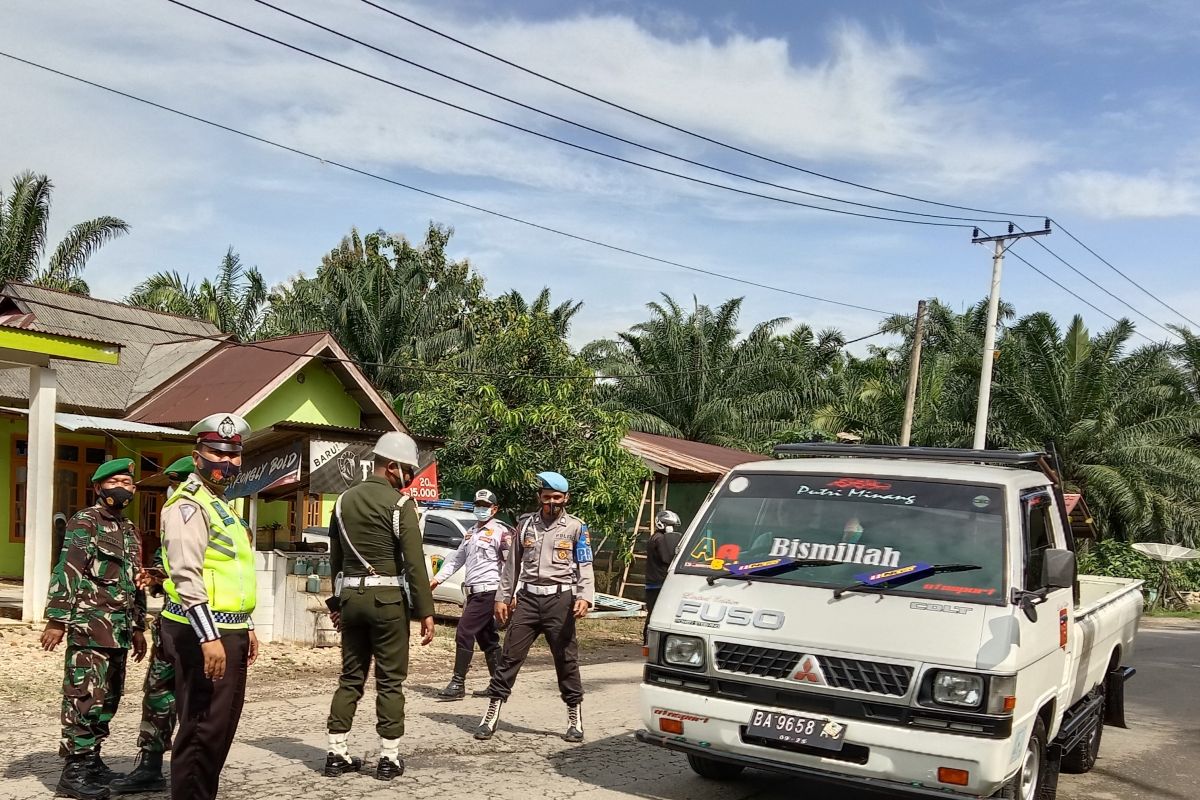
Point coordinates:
[(95, 603), (158, 691)]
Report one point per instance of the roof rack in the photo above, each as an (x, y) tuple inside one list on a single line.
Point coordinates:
[(1010, 458)]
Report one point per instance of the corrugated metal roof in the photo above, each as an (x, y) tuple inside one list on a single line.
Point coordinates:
[(226, 381), (87, 423), (682, 457), (110, 388)]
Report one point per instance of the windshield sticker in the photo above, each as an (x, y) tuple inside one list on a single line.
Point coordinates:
[(952, 589), (877, 578), (982, 501), (757, 566), (705, 549), (858, 494), (844, 552), (739, 484), (859, 483)]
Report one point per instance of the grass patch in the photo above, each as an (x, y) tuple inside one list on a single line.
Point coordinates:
[(1174, 614)]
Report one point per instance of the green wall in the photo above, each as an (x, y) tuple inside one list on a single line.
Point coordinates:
[(12, 556), (321, 398)]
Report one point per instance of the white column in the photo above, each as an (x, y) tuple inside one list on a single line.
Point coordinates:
[(39, 492), (252, 518)]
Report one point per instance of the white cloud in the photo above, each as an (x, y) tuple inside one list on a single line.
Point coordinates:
[(1111, 195)]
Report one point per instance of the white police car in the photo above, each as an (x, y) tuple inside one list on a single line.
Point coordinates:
[(443, 525)]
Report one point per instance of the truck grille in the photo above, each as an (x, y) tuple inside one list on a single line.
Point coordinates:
[(840, 673), (761, 661)]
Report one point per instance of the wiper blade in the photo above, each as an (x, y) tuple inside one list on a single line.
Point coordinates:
[(768, 567), (898, 576)]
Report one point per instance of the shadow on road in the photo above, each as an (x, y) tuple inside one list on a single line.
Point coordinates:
[(469, 722), (45, 767), (292, 749)]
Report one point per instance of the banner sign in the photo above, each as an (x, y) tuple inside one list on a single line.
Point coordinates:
[(333, 467), (271, 470), (425, 483)]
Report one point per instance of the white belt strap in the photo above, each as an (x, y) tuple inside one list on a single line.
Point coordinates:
[(544, 591), (372, 580), (481, 587)]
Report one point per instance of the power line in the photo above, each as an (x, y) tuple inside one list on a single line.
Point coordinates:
[(551, 138), (607, 134), (444, 198), (685, 131), (1113, 267), (1120, 300)]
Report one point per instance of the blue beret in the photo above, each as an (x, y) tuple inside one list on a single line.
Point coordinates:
[(552, 480)]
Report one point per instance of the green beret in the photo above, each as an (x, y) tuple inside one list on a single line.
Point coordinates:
[(180, 468), (118, 466)]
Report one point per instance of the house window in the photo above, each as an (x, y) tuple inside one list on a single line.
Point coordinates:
[(313, 516), (151, 463), (74, 465)]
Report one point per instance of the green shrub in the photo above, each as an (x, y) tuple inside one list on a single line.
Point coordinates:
[(1117, 559)]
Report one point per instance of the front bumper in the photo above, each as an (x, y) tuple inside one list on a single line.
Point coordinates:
[(891, 788), (887, 757)]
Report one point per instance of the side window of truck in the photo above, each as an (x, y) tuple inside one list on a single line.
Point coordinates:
[(1039, 537)]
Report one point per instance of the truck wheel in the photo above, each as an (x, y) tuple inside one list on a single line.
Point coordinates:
[(1083, 756), (713, 769), (1037, 779)]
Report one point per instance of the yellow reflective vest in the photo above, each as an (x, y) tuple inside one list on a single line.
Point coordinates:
[(228, 560)]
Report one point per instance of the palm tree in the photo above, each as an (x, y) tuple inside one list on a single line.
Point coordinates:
[(512, 304), (233, 301), (398, 309), (1126, 424), (690, 376), (24, 216)]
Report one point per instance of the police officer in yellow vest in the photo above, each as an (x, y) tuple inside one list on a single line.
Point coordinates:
[(206, 629)]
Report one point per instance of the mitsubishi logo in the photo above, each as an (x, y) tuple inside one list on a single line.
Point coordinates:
[(810, 672)]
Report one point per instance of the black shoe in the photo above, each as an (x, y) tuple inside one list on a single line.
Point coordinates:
[(147, 776), (574, 723), (492, 657), (100, 770), (491, 719), (456, 689), (387, 769), (78, 781), (336, 766)]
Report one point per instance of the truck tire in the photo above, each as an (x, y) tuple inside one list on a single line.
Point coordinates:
[(1083, 756), (1037, 779), (713, 769)]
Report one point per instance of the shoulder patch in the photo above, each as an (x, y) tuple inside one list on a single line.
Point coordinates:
[(187, 511)]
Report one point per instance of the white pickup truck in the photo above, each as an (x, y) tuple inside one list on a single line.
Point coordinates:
[(902, 619)]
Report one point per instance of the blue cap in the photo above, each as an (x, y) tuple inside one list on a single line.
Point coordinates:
[(552, 480)]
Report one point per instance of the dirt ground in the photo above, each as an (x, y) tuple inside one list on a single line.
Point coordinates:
[(31, 679)]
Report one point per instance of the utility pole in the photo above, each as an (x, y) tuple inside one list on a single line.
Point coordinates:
[(914, 372), (1002, 243)]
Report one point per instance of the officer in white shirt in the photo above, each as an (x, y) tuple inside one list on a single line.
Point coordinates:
[(482, 552)]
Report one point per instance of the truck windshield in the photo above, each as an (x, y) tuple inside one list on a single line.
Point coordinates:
[(867, 524)]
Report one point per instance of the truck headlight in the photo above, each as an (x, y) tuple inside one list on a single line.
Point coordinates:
[(684, 651), (958, 689)]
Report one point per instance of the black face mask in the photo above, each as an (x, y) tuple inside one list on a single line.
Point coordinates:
[(552, 510), (116, 498), (218, 473)]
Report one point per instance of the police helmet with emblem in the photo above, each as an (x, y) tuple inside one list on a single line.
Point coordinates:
[(221, 432), (118, 466)]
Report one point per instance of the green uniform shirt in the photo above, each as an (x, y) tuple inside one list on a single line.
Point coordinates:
[(368, 510), (92, 590)]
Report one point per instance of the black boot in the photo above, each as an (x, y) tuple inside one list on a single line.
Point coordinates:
[(456, 689), (387, 769), (491, 719), (492, 657), (100, 770), (77, 780), (147, 776), (336, 766)]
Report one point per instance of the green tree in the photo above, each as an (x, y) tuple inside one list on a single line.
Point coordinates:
[(503, 428), (690, 375), (397, 308), (24, 217), (233, 300)]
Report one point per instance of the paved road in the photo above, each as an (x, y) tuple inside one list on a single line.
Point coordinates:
[(281, 746)]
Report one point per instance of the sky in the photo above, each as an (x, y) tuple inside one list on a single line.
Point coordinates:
[(1080, 110)]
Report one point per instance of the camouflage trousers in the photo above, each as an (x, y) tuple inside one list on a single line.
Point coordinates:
[(93, 681), (158, 699)]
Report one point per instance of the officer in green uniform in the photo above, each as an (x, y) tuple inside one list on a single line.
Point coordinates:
[(95, 603), (381, 584), (158, 690), (207, 631)]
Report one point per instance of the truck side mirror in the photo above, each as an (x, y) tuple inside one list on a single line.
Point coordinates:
[(1058, 569)]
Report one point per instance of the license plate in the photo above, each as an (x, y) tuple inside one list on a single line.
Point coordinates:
[(794, 729)]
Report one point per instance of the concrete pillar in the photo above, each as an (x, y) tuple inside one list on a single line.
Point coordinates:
[(39, 492)]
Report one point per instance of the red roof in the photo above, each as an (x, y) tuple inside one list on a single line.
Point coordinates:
[(685, 458), (226, 381)]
